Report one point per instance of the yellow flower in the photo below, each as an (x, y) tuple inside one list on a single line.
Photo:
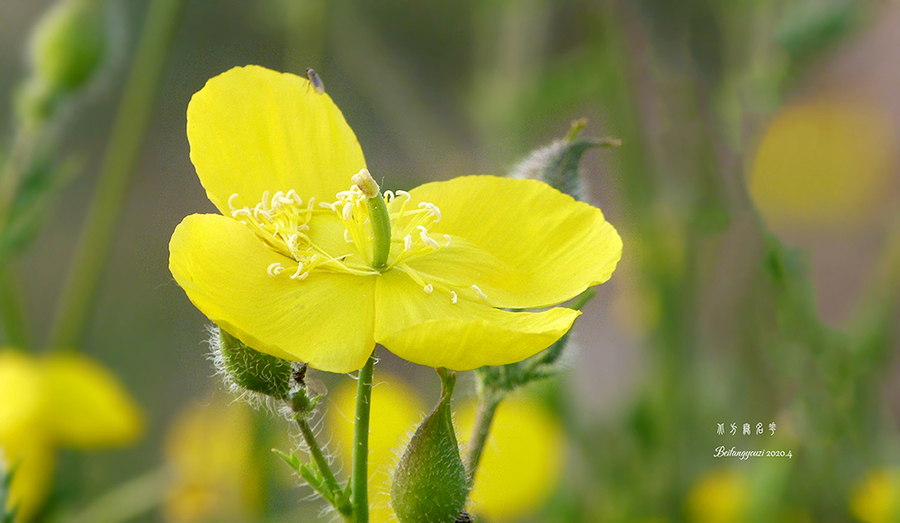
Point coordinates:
[(720, 496), (520, 466), (210, 452), (289, 268), (824, 162), (522, 461), (57, 400), (875, 499)]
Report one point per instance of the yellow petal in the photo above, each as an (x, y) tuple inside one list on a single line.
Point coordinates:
[(396, 409), (20, 391), (523, 243), (720, 496), (85, 405), (325, 320), (522, 460), (253, 130), (430, 330)]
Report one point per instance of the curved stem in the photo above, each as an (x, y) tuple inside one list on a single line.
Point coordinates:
[(118, 163), (360, 473), (12, 318), (315, 452)]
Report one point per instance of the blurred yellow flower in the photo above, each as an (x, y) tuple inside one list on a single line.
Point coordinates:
[(522, 460), (59, 399), (720, 496), (520, 466), (396, 409), (824, 162), (209, 449), (289, 268), (876, 499)]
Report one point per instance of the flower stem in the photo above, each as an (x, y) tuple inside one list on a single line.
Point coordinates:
[(490, 400), (315, 452), (360, 473), (118, 163)]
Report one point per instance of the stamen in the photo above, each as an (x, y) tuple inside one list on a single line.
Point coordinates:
[(347, 236), (433, 209), (296, 197), (326, 205), (453, 297), (407, 243), (241, 212), (297, 275), (231, 202), (388, 196), (428, 288), (480, 294), (447, 237), (275, 269), (423, 233), (347, 211)]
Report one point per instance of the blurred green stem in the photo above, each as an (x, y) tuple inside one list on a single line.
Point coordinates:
[(129, 500), (23, 148), (490, 400), (126, 137), (11, 314), (359, 475)]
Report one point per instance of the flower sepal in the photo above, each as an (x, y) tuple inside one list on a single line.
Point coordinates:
[(431, 483), (248, 370)]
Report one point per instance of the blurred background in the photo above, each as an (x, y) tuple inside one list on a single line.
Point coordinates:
[(755, 191)]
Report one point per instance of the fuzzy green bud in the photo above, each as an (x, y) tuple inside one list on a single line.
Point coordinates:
[(248, 369), (557, 164), (430, 484), (67, 49)]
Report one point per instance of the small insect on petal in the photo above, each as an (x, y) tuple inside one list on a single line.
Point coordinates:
[(315, 80)]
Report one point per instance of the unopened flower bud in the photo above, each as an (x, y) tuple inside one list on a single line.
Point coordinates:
[(67, 48), (430, 483), (248, 369)]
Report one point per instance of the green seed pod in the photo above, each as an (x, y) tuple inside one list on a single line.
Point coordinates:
[(248, 369), (430, 484), (69, 43)]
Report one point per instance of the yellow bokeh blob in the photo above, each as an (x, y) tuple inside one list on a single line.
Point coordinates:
[(209, 449), (876, 499), (522, 460), (823, 163), (720, 496)]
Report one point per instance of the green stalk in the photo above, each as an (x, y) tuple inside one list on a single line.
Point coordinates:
[(20, 155), (359, 475), (118, 164), (315, 452)]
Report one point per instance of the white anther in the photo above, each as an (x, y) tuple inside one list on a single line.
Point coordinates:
[(275, 269), (347, 211), (423, 234), (276, 199), (265, 214), (241, 212), (347, 236), (292, 242), (265, 199), (274, 234), (311, 204), (231, 202), (404, 193), (433, 209), (453, 297), (302, 227), (326, 205), (447, 237), (407, 243), (292, 194), (480, 294), (388, 196), (297, 275), (428, 289)]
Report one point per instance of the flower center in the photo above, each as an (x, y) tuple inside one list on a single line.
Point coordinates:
[(338, 236)]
